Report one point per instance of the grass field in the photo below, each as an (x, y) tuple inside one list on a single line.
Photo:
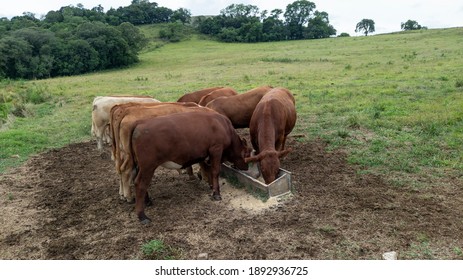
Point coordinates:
[(393, 102)]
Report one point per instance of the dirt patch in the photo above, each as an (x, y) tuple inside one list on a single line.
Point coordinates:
[(64, 204)]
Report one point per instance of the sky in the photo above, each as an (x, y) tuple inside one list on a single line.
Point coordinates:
[(343, 14)]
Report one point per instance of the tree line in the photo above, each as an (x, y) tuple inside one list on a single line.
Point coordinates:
[(76, 40), (246, 23)]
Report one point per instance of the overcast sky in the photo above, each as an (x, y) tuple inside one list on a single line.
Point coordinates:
[(343, 14)]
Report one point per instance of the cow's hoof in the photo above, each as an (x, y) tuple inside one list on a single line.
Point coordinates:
[(192, 178), (216, 197), (145, 221), (130, 200)]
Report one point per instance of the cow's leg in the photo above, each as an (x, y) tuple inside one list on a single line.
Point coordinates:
[(142, 182), (121, 189), (125, 184), (189, 171), (106, 134), (214, 173), (205, 170), (99, 143)]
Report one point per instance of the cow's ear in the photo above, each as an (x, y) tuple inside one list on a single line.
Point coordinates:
[(283, 153), (251, 159)]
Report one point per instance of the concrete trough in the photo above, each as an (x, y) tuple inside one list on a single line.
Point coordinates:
[(240, 179)]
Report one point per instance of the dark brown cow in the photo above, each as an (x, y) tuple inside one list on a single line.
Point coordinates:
[(123, 131), (221, 92), (196, 95), (187, 138), (273, 119), (239, 108)]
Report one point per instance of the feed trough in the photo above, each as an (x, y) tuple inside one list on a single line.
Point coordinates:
[(238, 178)]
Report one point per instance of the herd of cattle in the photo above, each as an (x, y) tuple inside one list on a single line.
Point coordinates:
[(199, 128)]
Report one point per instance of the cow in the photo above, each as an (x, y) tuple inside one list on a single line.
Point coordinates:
[(101, 114), (122, 137), (239, 108), (196, 95), (221, 92), (187, 138), (273, 119), (118, 112)]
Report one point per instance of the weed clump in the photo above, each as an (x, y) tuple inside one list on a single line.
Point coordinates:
[(18, 100), (157, 250)]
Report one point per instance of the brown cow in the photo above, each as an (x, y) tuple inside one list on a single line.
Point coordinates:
[(273, 119), (118, 112), (196, 95), (221, 92), (187, 138), (122, 136), (239, 108)]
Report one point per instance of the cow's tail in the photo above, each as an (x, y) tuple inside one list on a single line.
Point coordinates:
[(135, 169), (93, 131)]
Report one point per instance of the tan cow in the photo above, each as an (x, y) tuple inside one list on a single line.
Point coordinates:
[(101, 114), (273, 119), (239, 108)]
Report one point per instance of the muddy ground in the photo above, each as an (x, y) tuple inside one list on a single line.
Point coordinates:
[(64, 204)]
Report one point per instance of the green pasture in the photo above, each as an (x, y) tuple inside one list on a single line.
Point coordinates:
[(393, 102)]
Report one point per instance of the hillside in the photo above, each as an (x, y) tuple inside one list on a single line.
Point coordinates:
[(393, 101)]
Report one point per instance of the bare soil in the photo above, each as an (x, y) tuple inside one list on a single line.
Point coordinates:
[(64, 204)]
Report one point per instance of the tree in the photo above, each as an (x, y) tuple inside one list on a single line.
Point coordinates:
[(40, 42), (411, 25), (133, 36), (26, 20), (251, 32), (344, 34), (240, 11), (297, 15), (182, 15), (16, 58), (273, 28), (367, 25), (108, 41), (319, 27), (210, 26), (53, 17)]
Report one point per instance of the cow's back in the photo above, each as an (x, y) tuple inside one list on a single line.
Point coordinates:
[(125, 115), (199, 130), (196, 96), (239, 108), (222, 92), (273, 119)]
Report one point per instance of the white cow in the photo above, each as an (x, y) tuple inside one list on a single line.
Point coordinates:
[(101, 114)]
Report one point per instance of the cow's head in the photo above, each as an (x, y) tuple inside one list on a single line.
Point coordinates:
[(269, 163)]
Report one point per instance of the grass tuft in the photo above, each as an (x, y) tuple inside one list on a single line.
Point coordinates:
[(157, 250)]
